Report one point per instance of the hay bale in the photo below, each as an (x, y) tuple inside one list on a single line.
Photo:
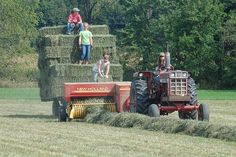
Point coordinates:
[(72, 54), (95, 29), (71, 40), (75, 70), (51, 82), (58, 52), (104, 79)]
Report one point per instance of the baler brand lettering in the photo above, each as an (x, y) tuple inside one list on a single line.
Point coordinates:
[(93, 89)]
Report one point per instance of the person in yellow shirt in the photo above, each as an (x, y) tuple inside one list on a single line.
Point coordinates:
[(86, 43)]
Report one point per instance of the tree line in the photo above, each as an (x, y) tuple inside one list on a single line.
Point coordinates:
[(201, 34)]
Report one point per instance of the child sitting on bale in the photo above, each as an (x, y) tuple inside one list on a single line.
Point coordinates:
[(74, 20)]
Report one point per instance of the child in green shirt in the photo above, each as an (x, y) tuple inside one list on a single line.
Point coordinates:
[(86, 43)]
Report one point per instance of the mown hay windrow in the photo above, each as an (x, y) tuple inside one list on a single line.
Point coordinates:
[(95, 29), (167, 125)]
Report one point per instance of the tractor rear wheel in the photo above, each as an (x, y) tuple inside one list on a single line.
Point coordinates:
[(153, 111), (139, 97), (62, 116), (203, 112), (193, 101), (55, 107)]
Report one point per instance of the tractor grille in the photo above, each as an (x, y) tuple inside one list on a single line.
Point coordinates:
[(178, 87)]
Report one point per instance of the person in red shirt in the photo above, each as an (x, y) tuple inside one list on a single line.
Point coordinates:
[(74, 20)]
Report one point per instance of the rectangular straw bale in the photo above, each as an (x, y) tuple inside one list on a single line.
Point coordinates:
[(116, 72), (61, 29), (97, 52), (55, 81), (57, 51), (71, 40), (51, 40), (80, 71), (57, 90), (45, 94), (104, 41), (99, 29), (70, 70), (50, 92), (44, 65), (52, 85), (53, 30)]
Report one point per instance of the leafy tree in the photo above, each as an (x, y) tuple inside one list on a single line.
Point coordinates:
[(53, 12), (191, 30), (93, 9), (190, 27), (142, 29), (18, 21), (228, 41)]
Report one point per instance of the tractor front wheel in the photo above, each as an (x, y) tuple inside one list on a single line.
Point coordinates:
[(203, 112), (153, 111), (193, 101)]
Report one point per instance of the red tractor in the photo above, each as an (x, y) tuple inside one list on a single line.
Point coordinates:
[(156, 94)]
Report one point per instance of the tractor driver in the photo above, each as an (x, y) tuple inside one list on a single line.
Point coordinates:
[(160, 68), (161, 62)]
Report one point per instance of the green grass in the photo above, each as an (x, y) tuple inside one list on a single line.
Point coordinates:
[(27, 129), (217, 94), (19, 93), (33, 94)]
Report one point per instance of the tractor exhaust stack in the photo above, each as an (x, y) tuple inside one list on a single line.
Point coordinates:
[(167, 58)]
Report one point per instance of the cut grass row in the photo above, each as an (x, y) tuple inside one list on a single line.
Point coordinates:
[(166, 124), (33, 94)]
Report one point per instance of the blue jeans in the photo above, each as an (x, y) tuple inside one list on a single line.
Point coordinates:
[(85, 52), (71, 26)]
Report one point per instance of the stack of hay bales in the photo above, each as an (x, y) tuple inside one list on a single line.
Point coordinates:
[(58, 54)]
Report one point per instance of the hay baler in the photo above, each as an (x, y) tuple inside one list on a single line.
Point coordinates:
[(78, 96)]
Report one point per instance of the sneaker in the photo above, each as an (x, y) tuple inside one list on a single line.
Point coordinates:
[(68, 33)]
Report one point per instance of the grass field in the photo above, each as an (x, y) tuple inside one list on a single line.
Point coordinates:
[(28, 129)]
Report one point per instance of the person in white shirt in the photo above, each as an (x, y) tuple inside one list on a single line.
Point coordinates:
[(102, 67)]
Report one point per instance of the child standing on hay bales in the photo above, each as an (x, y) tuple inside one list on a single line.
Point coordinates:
[(74, 20), (86, 43), (101, 66)]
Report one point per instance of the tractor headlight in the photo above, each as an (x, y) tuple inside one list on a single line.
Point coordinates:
[(172, 75), (140, 74), (184, 74)]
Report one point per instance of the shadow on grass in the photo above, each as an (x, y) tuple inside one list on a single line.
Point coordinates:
[(30, 116)]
